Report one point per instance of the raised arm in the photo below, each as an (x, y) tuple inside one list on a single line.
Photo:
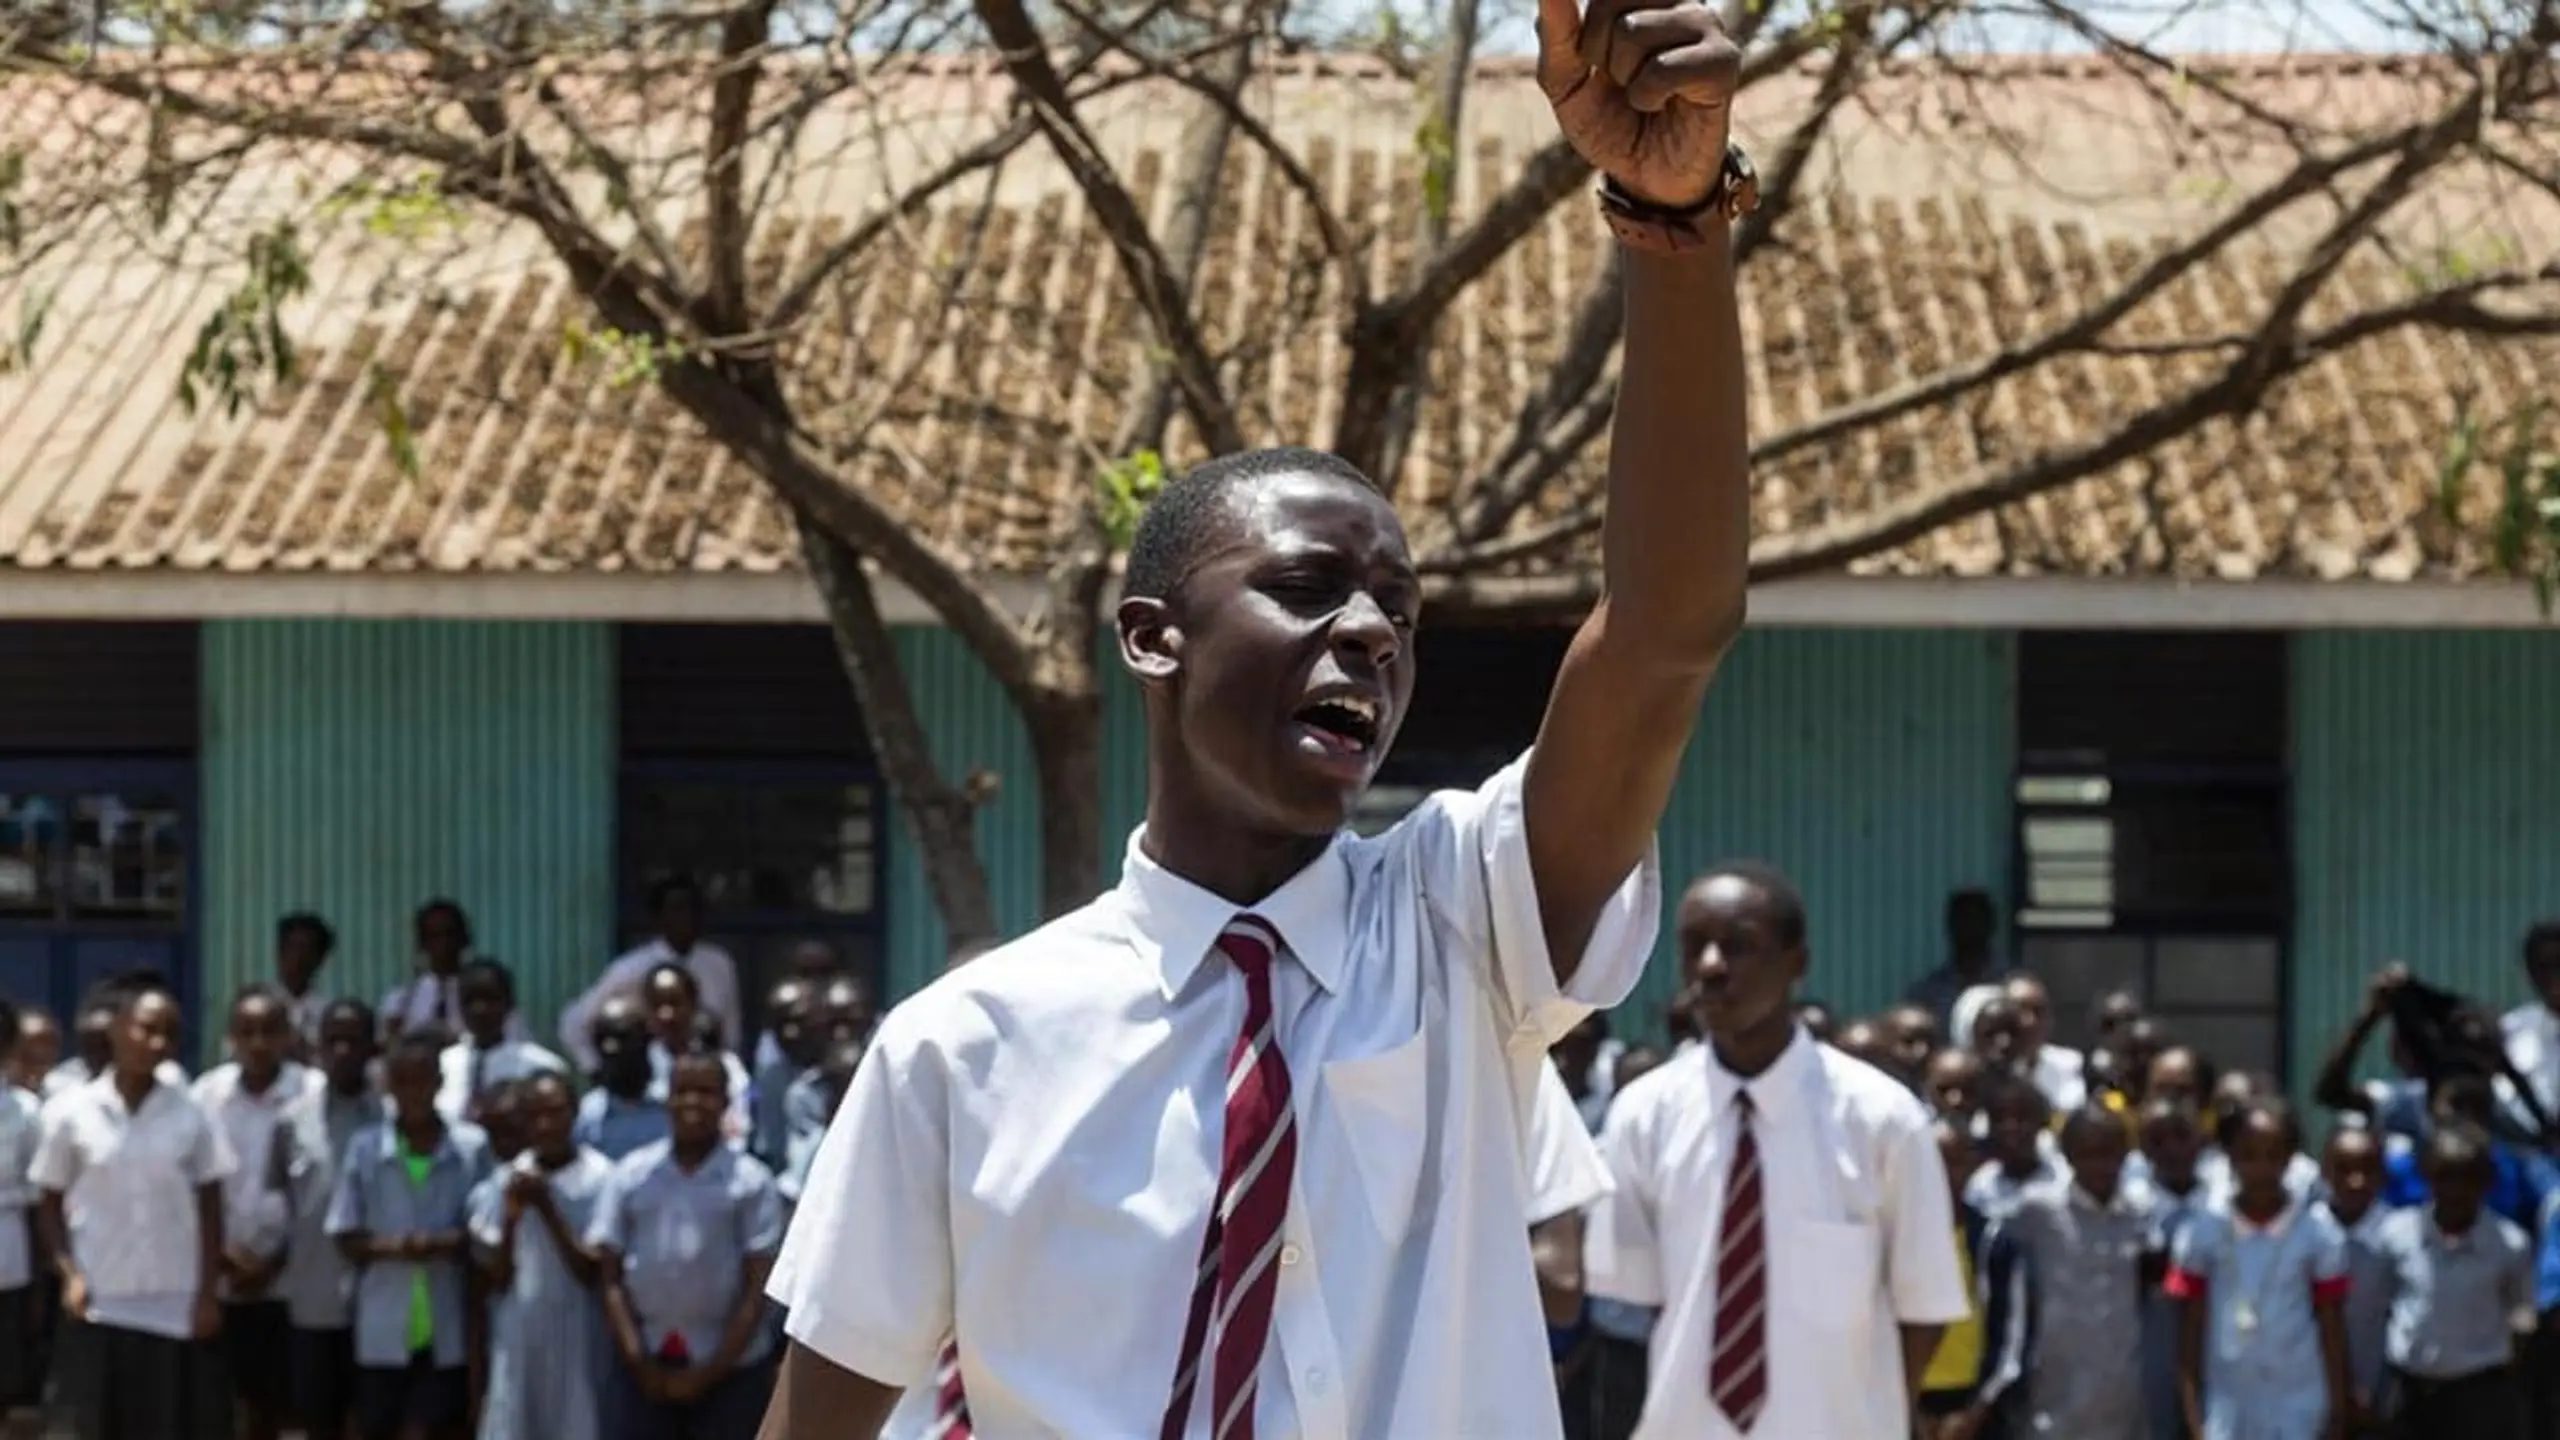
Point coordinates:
[(1643, 88)]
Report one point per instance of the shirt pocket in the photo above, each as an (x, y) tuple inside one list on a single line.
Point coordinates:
[(1382, 1105), (1827, 1282)]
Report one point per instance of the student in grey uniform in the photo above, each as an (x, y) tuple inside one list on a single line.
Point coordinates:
[(620, 1116), (400, 1214), (2172, 1141), (130, 1168), (2351, 1173), (318, 1284), (2016, 1120), (2263, 1351), (546, 1328), (815, 1096), (2460, 1276), (21, 1386), (789, 1048), (688, 1228), (2084, 1239)]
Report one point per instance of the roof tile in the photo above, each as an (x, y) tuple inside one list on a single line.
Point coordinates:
[(1003, 390)]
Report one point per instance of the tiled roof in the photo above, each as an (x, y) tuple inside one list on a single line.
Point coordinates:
[(1950, 215)]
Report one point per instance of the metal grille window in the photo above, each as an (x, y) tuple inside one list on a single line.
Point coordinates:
[(2152, 831)]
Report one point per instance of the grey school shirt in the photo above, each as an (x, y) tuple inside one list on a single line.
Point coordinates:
[(317, 1284), (2452, 1295), (375, 1195), (684, 1238), (2084, 1374)]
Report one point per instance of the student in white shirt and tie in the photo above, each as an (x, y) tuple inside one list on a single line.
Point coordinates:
[(1279, 1077), (1784, 1203)]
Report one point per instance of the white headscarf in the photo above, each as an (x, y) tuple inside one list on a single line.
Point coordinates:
[(1967, 1009)]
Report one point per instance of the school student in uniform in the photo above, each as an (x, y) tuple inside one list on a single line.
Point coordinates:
[(130, 1169), (619, 1116), (249, 1097), (2461, 1279), (1403, 981), (2019, 1155), (2351, 1176), (492, 1050), (687, 1229), (2172, 1141), (678, 1025), (1783, 1202), (796, 1043), (1971, 1388), (318, 1284), (547, 1347), (400, 1214), (21, 1384), (38, 1046), (2084, 1238), (2263, 1352)]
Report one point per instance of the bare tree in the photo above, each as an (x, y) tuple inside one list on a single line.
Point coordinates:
[(654, 152)]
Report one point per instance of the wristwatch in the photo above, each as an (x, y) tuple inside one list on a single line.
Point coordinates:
[(1666, 230)]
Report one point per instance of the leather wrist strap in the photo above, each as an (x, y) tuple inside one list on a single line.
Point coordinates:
[(1668, 230)]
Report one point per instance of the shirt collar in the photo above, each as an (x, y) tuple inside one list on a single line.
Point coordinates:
[(2274, 1229), (1174, 924), (1771, 1088)]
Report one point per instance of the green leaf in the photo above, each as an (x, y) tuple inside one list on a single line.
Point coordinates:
[(2461, 452), (1123, 491), (382, 391)]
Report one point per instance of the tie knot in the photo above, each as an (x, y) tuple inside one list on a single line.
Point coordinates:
[(1742, 1106), (1250, 944)]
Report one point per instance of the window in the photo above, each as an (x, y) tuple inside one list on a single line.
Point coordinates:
[(1481, 696), (746, 767), (2152, 840)]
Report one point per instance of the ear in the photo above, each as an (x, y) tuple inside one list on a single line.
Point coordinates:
[(1150, 641)]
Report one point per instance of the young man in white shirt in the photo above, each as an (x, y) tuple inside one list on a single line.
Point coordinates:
[(1784, 1203), (1279, 1077), (250, 1099), (675, 907)]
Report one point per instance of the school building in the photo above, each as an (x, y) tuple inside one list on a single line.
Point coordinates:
[(2237, 720)]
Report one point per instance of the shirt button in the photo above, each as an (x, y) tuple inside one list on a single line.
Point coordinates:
[(1288, 1254), (1315, 1382)]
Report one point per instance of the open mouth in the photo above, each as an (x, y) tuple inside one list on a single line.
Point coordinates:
[(1346, 724)]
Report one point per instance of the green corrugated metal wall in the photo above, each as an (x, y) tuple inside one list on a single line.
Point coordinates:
[(1873, 768), (357, 768), (1872, 765), (2426, 774), (973, 727)]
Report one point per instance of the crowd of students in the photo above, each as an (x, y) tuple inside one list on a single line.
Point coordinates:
[(2149, 1250), (357, 1226)]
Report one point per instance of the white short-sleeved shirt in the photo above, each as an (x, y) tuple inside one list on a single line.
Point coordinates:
[(715, 979), (1861, 1237), (1028, 1153), (128, 1181), (255, 1212), (1566, 1172)]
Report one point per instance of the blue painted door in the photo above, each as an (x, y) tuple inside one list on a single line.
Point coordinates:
[(96, 876)]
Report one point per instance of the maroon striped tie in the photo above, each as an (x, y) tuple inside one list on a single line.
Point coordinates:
[(951, 1402), (1239, 1272), (1738, 1369)]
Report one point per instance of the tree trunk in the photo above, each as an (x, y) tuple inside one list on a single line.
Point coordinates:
[(941, 816), (1066, 764)]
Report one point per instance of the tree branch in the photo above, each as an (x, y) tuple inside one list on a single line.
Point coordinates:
[(1167, 304), (1445, 128), (1575, 405), (726, 224)]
